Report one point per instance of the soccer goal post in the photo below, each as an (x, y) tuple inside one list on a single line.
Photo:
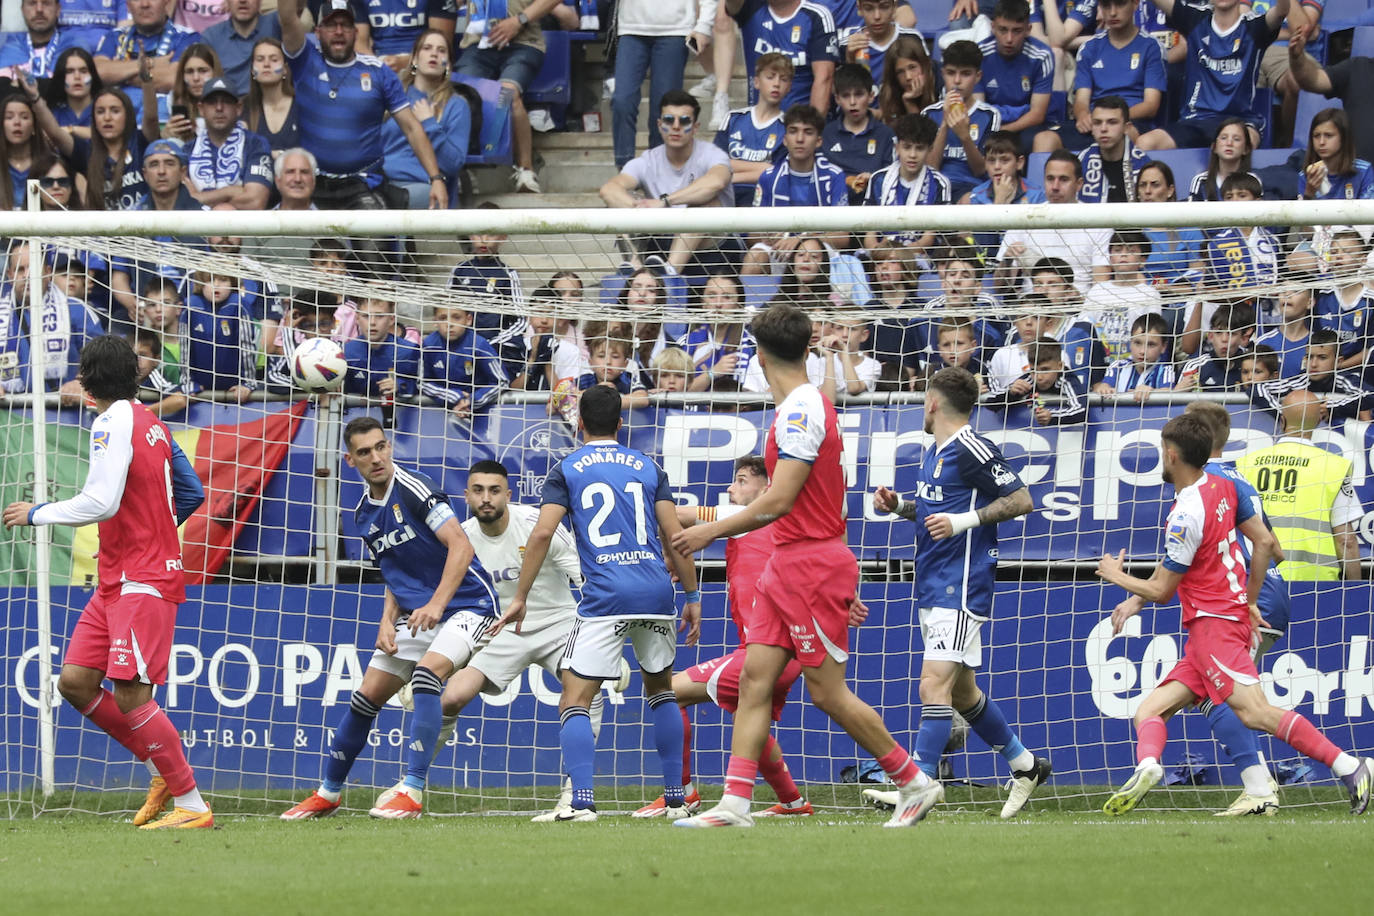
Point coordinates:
[(1087, 326)]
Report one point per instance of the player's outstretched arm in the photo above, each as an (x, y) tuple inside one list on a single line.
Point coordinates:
[(460, 554), (1159, 588), (788, 478), (666, 513), (536, 549)]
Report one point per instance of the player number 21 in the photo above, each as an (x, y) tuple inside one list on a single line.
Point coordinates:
[(601, 497)]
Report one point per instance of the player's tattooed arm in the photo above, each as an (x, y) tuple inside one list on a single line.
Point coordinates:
[(1004, 508)]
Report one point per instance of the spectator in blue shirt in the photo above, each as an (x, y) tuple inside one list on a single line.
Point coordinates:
[(1225, 45), (1331, 171), (92, 16), (344, 99), (73, 88), (442, 113), (223, 338), (380, 363), (235, 37), (803, 178), (908, 181), (459, 368), (396, 25), (752, 135), (228, 164), (608, 354), (868, 44), (21, 145), (856, 141), (112, 159), (1347, 306), (1289, 340), (801, 29), (1175, 265), (37, 49), (1018, 71), (271, 109), (151, 32), (1120, 61), (1111, 163), (964, 119)]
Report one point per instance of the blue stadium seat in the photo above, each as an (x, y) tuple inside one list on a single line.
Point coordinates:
[(1363, 43), (1309, 103), (495, 138), (1343, 14), (1058, 110), (553, 84), (932, 16)]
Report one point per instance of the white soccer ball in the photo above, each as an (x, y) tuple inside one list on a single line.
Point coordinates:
[(319, 365)]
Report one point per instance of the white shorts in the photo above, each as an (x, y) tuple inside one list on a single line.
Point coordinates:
[(596, 645), (456, 639), (952, 635), (507, 656)]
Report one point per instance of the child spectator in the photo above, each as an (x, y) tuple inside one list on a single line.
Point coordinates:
[(1043, 314), (485, 277), (1343, 397), (752, 135), (1331, 171), (642, 302), (801, 179), (1018, 71), (908, 181), (459, 368), (570, 345), (1230, 155), (867, 45), (961, 285), (159, 310), (331, 257), (1004, 184), (1174, 266), (839, 368), (380, 364), (312, 314), (1118, 61), (957, 345), (1347, 307), (908, 83), (1044, 377), (1241, 257), (1225, 45), (171, 398), (964, 120), (718, 347), (610, 364), (1148, 366), (805, 280), (1289, 340), (672, 373), (1111, 162), (1113, 305), (1259, 366), (223, 338), (894, 338), (1231, 330), (1010, 361), (803, 32), (856, 141)]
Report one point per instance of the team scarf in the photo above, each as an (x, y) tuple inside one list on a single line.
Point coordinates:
[(212, 168), (1232, 261), (1095, 189), (482, 15), (11, 333), (55, 320), (132, 42), (921, 191), (588, 20), (41, 60)]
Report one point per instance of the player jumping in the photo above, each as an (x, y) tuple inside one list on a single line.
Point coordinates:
[(439, 602), (140, 487), (803, 599), (619, 501), (1204, 564), (964, 487), (717, 680)]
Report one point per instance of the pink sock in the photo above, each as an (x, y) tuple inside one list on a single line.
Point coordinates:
[(686, 747), (104, 712), (1302, 736), (1150, 737), (739, 777), (150, 727), (776, 774), (898, 765)]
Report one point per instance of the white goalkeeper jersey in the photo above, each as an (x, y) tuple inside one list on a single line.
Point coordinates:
[(551, 598)]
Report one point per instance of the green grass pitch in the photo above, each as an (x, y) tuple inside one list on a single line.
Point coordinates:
[(1054, 859)]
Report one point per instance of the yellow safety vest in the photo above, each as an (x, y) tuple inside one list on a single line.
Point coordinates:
[(1299, 482)]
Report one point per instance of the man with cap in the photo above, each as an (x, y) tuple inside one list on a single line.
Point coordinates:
[(152, 33), (344, 97), (228, 164), (164, 167)]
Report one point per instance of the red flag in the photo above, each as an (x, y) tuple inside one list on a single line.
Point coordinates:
[(235, 463)]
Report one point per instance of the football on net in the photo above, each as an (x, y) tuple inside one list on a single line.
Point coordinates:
[(319, 365)]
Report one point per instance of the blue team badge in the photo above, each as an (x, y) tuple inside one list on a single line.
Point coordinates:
[(1025, 84), (796, 422), (771, 141), (224, 327), (100, 441), (872, 146), (1135, 61), (938, 465), (973, 131), (365, 81), (491, 284), (1349, 191), (467, 367), (796, 33), (1235, 46), (396, 511)]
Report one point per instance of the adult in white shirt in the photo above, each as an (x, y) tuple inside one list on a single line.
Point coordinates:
[(1085, 250)]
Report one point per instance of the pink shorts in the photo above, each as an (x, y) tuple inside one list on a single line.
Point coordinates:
[(1216, 657), (802, 601), (129, 637), (721, 677)]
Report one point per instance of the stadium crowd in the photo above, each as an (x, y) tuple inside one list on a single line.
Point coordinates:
[(153, 105)]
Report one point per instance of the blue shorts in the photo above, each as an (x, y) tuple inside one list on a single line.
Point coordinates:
[(1198, 133), (515, 64)]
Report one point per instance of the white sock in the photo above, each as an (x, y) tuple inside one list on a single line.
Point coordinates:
[(1148, 761), (735, 804), (794, 803), (1022, 762), (1344, 765), (191, 801), (1256, 779), (327, 795), (688, 788), (151, 768)]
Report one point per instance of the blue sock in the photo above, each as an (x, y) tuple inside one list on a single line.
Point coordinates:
[(1239, 742), (936, 722), (986, 719), (667, 719), (579, 753), (424, 725), (349, 739)]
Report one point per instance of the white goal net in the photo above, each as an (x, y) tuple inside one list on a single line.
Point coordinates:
[(1086, 332)]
